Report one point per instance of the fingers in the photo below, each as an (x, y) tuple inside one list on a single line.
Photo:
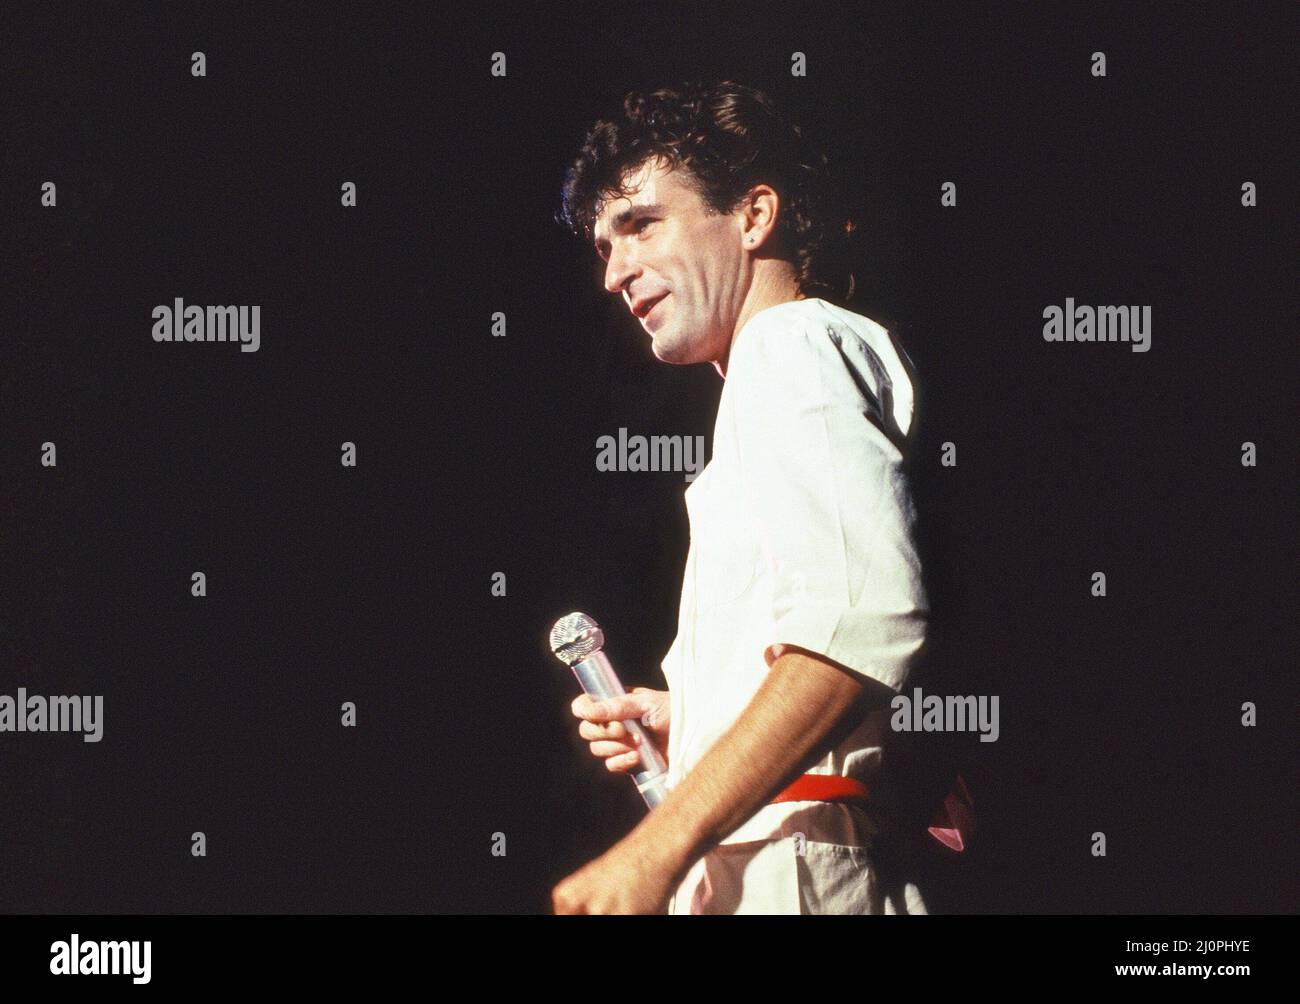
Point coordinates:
[(613, 709), (613, 730), (603, 726), (617, 756), (623, 763), (605, 748)]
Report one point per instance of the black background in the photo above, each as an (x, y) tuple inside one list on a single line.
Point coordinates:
[(476, 454)]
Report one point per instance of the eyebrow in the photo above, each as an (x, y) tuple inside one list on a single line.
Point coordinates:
[(621, 219)]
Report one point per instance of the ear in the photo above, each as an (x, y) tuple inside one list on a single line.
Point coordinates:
[(760, 212)]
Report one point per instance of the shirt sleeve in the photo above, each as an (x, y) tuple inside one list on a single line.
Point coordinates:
[(831, 506)]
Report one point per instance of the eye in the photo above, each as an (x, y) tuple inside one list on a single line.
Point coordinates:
[(644, 221)]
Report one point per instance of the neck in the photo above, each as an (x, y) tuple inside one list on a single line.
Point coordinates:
[(768, 290)]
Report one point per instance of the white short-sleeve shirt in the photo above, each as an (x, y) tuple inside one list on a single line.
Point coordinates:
[(801, 534)]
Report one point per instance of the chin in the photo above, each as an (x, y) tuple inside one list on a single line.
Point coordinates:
[(666, 351)]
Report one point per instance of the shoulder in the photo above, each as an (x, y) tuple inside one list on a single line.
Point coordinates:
[(802, 331), (813, 350)]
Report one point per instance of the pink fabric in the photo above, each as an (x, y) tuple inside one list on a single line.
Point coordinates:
[(954, 823)]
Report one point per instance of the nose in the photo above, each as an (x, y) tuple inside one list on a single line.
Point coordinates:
[(619, 269)]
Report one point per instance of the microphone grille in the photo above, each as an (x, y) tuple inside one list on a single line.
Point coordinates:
[(574, 637)]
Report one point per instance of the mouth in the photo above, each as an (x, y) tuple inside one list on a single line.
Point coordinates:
[(648, 312)]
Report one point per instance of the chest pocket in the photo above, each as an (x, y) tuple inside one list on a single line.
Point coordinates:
[(726, 553)]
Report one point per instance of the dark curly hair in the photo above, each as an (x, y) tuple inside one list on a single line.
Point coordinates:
[(730, 137)]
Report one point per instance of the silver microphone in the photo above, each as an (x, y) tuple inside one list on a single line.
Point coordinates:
[(577, 641)]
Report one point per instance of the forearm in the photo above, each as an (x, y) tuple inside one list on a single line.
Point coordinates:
[(799, 702)]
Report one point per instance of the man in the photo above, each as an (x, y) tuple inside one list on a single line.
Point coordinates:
[(802, 608)]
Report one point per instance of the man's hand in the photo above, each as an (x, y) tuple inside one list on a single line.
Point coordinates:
[(782, 729), (628, 878), (602, 726)]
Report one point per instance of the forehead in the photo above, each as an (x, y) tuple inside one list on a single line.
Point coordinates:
[(655, 182)]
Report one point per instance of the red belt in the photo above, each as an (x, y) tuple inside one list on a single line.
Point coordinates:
[(952, 825), (824, 788)]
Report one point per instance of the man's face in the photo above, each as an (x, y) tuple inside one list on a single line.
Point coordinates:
[(662, 243)]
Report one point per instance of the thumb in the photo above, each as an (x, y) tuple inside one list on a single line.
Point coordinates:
[(654, 712)]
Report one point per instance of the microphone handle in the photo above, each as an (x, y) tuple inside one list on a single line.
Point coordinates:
[(597, 677)]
